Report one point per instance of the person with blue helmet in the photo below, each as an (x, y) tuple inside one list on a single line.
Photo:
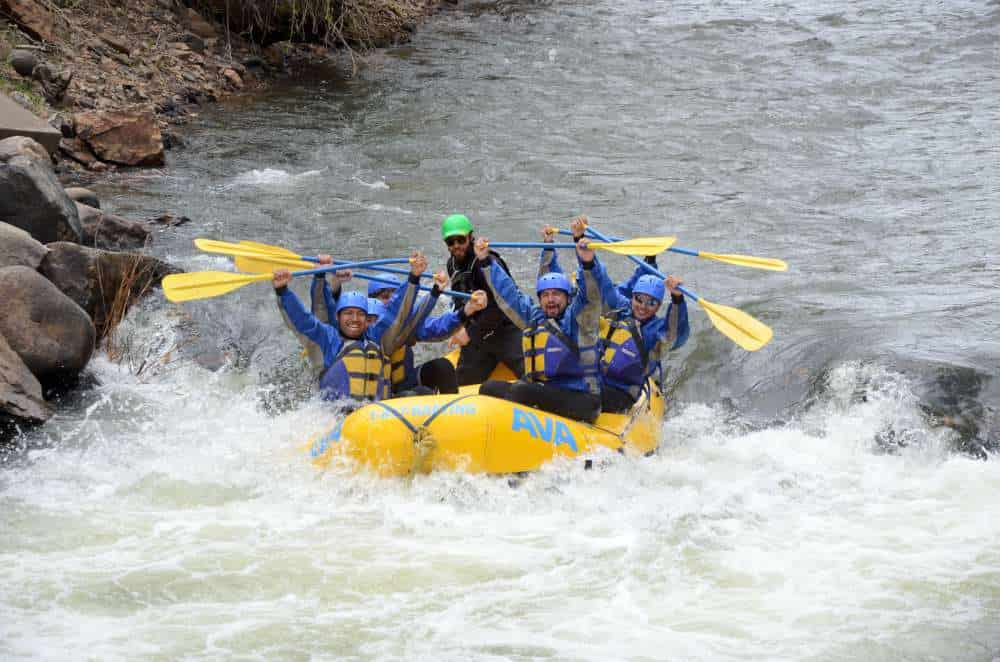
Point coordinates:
[(559, 337), (354, 363), (383, 289), (634, 341), (376, 309)]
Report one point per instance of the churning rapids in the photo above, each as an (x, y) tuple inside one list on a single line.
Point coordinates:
[(834, 496)]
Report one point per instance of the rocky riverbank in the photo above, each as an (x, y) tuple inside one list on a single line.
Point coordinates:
[(65, 279), (117, 78)]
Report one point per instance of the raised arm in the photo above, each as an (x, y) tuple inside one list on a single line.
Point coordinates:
[(512, 302)]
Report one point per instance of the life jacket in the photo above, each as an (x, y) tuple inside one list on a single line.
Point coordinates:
[(624, 355), (550, 355), (397, 363), (359, 371)]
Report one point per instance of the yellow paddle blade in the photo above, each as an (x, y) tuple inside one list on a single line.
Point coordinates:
[(228, 248), (257, 265), (768, 263), (206, 284), (744, 330), (640, 246), (268, 248)]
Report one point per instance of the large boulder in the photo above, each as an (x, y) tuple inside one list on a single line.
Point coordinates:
[(30, 195), (103, 230), (126, 137), (18, 248), (102, 283), (20, 393), (52, 334), (23, 146)]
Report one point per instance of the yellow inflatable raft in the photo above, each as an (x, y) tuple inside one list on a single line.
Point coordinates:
[(478, 434)]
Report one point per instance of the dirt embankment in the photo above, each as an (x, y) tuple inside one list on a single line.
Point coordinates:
[(114, 77)]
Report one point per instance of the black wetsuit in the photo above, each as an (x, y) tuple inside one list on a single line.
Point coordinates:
[(492, 337)]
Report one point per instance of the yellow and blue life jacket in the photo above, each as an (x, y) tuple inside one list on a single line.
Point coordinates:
[(624, 355), (360, 370)]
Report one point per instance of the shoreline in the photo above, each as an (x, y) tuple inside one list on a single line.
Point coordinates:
[(119, 82)]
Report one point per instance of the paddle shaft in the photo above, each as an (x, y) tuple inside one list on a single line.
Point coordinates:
[(390, 270), (451, 293)]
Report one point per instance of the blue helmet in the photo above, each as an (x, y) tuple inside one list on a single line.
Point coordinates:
[(352, 300), (554, 281), (376, 308), (376, 286), (650, 285)]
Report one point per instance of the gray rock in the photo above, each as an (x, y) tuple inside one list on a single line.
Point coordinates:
[(84, 196), (17, 248), (103, 283), (32, 199), (54, 81), (102, 230), (24, 62), (52, 334), (23, 146), (21, 399)]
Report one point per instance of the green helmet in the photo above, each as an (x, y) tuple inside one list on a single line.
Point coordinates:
[(456, 224)]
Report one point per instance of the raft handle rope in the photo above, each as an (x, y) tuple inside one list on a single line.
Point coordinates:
[(423, 440)]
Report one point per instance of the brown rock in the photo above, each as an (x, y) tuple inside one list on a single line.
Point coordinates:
[(20, 393), (127, 137), (198, 25), (102, 230), (18, 248), (52, 334), (93, 278), (77, 150), (33, 17), (116, 44), (233, 78)]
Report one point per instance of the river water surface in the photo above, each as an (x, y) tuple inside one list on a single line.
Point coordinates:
[(834, 496)]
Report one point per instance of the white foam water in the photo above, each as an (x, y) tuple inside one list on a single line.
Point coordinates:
[(173, 518)]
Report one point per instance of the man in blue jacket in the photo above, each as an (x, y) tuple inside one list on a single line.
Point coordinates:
[(634, 340), (354, 364), (559, 337)]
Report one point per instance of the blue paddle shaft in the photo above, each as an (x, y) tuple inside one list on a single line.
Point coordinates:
[(451, 293), (351, 265), (529, 244)]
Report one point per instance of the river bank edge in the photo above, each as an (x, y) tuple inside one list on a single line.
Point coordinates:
[(117, 83)]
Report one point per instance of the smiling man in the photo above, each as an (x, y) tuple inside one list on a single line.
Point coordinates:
[(489, 337), (559, 337)]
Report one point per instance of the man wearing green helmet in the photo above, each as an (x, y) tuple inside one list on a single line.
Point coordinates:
[(489, 337)]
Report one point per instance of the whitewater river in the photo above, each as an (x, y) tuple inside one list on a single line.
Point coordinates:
[(834, 496)]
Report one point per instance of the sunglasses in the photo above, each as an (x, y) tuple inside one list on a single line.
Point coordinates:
[(456, 239), (644, 300)]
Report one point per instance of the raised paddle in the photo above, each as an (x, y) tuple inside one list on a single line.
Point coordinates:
[(207, 284), (269, 264), (768, 263), (641, 246), (292, 259), (747, 332)]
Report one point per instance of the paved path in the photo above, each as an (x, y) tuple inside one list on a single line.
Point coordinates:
[(16, 121)]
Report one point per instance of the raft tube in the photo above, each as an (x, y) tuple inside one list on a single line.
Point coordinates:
[(478, 434)]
